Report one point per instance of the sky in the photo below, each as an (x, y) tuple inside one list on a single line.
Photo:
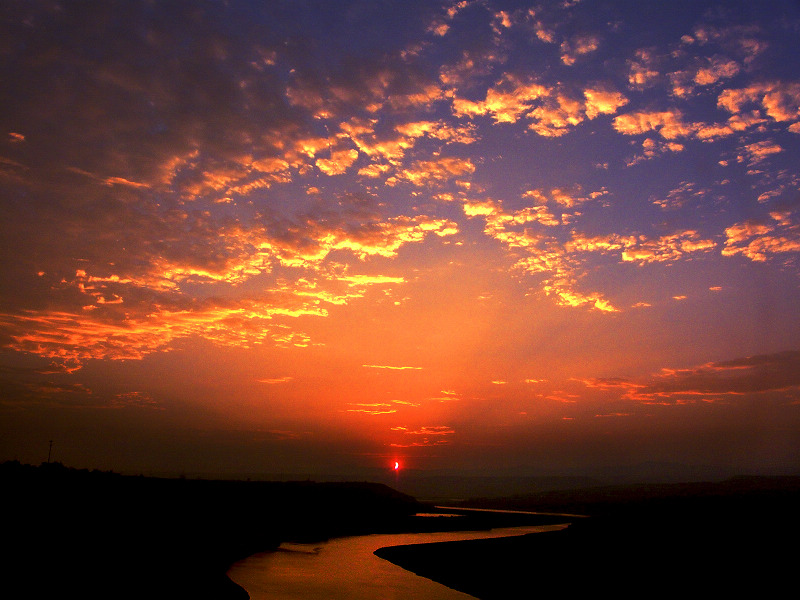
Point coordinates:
[(471, 236)]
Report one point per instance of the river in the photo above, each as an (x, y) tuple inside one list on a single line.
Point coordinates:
[(346, 568)]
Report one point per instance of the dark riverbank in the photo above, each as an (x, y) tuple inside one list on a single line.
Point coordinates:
[(654, 541), (103, 535)]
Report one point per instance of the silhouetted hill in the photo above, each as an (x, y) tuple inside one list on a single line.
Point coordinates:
[(655, 541), (448, 488), (596, 500), (100, 534)]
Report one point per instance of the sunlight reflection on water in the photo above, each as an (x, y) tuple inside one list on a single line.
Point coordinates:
[(347, 569)]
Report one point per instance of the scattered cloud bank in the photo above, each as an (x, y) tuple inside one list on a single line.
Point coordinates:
[(295, 180)]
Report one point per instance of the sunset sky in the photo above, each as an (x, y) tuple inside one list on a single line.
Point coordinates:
[(472, 236)]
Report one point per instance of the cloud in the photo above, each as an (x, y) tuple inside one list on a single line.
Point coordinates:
[(778, 100), (376, 408), (440, 25), (392, 367), (425, 173), (135, 399), (70, 339), (500, 221), (672, 125), (146, 308), (578, 46), (542, 252), (466, 68), (643, 69), (754, 153), (612, 383), (563, 291), (669, 124), (761, 240), (654, 148), (642, 249), (429, 435), (563, 261), (549, 111), (556, 116), (275, 380), (360, 280), (438, 130), (507, 102), (339, 161), (717, 68), (716, 381), (681, 195), (392, 146), (599, 101)]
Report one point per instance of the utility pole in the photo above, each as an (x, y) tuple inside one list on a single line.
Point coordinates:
[(50, 452)]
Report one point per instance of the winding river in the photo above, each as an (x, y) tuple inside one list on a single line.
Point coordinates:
[(347, 569)]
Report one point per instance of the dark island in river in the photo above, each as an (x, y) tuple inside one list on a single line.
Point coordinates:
[(103, 535)]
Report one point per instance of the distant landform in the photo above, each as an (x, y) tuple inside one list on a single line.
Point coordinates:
[(648, 540)]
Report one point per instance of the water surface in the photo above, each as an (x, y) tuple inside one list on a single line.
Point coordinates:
[(347, 569)]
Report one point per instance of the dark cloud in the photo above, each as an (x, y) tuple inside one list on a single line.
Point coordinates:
[(759, 374)]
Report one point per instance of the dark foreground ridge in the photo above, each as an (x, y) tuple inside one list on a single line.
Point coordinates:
[(92, 534), (653, 541)]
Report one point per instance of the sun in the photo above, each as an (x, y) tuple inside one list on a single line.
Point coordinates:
[(396, 466)]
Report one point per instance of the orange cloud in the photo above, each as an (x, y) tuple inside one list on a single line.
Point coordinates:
[(339, 162), (717, 68), (669, 124), (604, 102), (550, 112), (438, 130), (579, 45), (754, 375), (779, 101), (376, 408), (275, 380), (678, 197), (653, 148), (562, 290), (505, 103), (758, 241), (392, 146), (73, 338), (556, 116), (612, 383), (434, 172), (643, 70), (754, 153), (392, 367), (434, 435), (641, 249)]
